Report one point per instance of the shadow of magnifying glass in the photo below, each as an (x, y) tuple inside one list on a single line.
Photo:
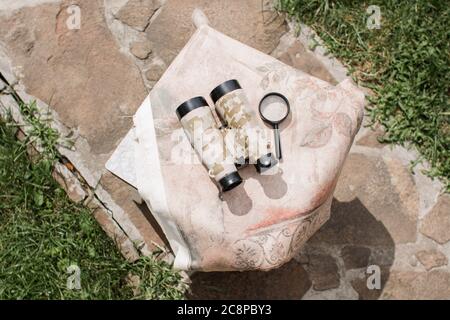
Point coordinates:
[(274, 109)]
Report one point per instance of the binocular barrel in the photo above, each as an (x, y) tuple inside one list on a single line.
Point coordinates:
[(222, 151), (250, 140), (208, 141)]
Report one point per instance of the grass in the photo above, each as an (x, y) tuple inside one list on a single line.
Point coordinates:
[(406, 64), (42, 232)]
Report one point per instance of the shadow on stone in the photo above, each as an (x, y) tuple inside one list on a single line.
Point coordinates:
[(359, 239), (287, 282), (151, 219)]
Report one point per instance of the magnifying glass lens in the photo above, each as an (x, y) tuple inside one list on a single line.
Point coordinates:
[(274, 108)]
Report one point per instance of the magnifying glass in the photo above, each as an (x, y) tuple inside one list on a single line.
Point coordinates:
[(273, 109)]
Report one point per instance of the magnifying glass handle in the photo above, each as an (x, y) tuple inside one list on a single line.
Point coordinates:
[(277, 142)]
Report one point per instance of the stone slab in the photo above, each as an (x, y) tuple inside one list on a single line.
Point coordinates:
[(287, 282)]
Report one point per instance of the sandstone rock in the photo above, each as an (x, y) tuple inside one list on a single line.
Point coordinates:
[(134, 282), (302, 257), (137, 13), (370, 139), (81, 73), (138, 214), (409, 285), (298, 57), (436, 224), (365, 292), (287, 282), (431, 259), (382, 193), (323, 272), (22, 38), (154, 72), (355, 257), (111, 228), (382, 256), (69, 183), (352, 224), (404, 184), (412, 261), (141, 50), (242, 20)]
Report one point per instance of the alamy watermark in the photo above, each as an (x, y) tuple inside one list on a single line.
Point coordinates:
[(73, 22), (374, 278), (374, 19), (74, 278)]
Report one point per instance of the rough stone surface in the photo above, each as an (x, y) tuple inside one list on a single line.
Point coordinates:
[(436, 225), (242, 20), (137, 13), (370, 139), (108, 225), (405, 187), (287, 282), (69, 183), (355, 257), (351, 223), (134, 282), (154, 72), (141, 49), (138, 213), (323, 272), (80, 73), (359, 284), (297, 56), (408, 285), (431, 259), (369, 181)]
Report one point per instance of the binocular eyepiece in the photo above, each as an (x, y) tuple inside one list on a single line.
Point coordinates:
[(237, 141)]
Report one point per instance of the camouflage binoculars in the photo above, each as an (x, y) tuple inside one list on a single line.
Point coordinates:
[(236, 141)]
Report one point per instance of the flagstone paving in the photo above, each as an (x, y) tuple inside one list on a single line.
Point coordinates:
[(384, 218)]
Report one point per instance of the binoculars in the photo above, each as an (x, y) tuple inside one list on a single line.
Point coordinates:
[(234, 141)]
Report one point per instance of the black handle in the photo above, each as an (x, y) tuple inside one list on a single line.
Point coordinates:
[(277, 142)]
